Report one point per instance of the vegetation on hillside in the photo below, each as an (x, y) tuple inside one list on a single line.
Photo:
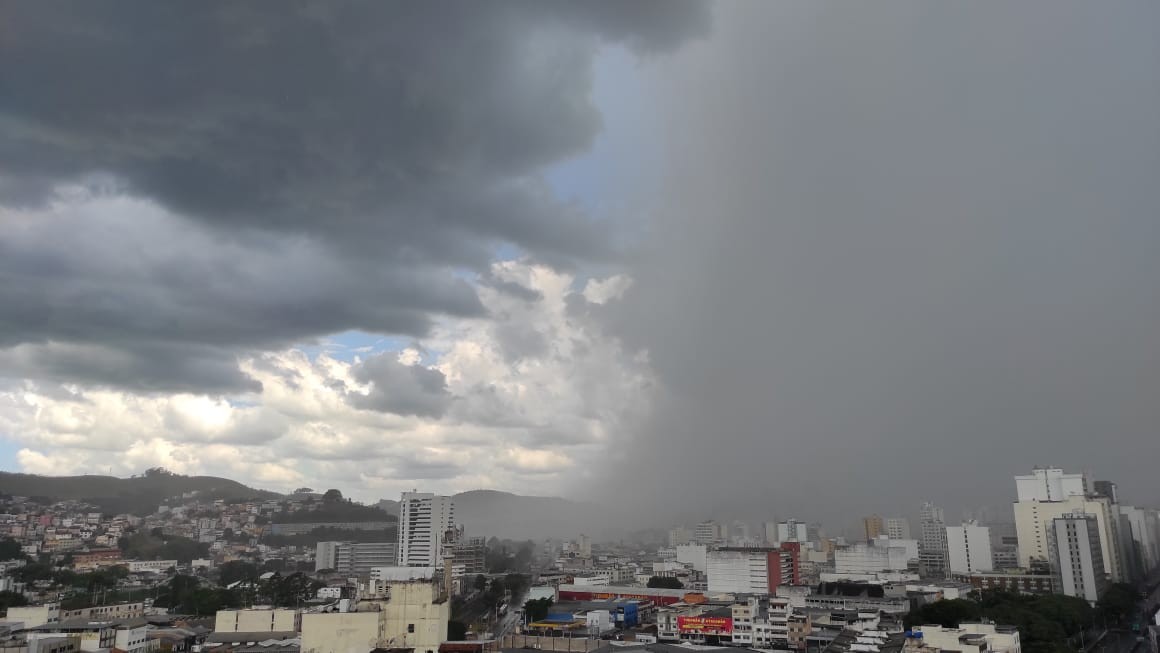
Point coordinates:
[(155, 545), (331, 534), (334, 508), (137, 495)]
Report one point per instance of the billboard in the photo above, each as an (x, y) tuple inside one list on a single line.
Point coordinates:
[(705, 625)]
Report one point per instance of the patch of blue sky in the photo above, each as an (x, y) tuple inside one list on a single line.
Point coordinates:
[(8, 451), (348, 345)]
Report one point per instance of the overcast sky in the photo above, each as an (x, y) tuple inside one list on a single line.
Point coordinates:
[(744, 259)]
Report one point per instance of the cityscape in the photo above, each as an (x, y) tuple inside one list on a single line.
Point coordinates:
[(579, 326), (1072, 567)]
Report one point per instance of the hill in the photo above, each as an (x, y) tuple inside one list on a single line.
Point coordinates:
[(139, 494), (491, 513)]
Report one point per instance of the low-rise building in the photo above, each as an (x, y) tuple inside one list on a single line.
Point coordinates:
[(969, 638), (257, 621)]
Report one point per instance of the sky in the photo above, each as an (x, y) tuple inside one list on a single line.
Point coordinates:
[(744, 260)]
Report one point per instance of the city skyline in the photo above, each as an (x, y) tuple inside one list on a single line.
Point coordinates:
[(744, 258)]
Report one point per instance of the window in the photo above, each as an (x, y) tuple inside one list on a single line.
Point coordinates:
[(410, 628)]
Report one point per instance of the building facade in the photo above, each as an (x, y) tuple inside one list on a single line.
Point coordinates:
[(898, 528), (969, 548), (423, 520), (933, 542), (1076, 559)]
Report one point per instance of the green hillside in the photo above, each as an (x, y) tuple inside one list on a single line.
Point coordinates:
[(139, 494)]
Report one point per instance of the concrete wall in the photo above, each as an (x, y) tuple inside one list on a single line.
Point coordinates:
[(342, 632)]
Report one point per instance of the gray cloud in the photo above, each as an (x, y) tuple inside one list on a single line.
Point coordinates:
[(907, 251), (400, 389), (319, 168)]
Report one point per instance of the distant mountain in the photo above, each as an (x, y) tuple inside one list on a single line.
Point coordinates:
[(490, 513), (139, 494)]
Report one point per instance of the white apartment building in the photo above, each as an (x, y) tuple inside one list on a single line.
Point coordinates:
[(969, 548), (792, 531), (898, 528), (1033, 520), (1075, 541), (933, 531), (1050, 484), (708, 532), (679, 535), (883, 554), (423, 520)]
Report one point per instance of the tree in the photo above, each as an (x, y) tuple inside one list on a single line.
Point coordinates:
[(1118, 602), (332, 496), (946, 613), (456, 631), (666, 582), (10, 549), (235, 570), (537, 609), (12, 600), (480, 583)]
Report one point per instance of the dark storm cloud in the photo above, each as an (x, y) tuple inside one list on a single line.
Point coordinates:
[(400, 389), (330, 164), (909, 250)]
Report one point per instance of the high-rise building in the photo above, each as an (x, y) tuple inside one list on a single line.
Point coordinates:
[(707, 532), (1066, 495), (470, 555), (423, 520), (326, 555), (1076, 559), (873, 527), (898, 528), (791, 530), (679, 535), (969, 548), (355, 558), (1004, 545), (771, 532), (753, 570), (584, 546), (740, 532), (1050, 484), (932, 553)]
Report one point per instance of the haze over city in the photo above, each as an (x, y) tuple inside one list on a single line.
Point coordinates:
[(756, 259)]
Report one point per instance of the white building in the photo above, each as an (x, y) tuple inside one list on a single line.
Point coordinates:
[(1075, 542), (792, 530), (898, 528), (969, 548), (933, 532), (1050, 484), (679, 535), (423, 520), (1033, 521), (883, 554), (694, 555), (971, 638), (738, 572), (257, 621), (708, 532)]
